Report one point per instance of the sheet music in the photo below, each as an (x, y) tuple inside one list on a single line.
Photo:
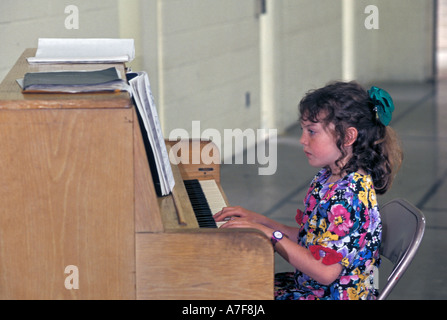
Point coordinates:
[(59, 50), (142, 94)]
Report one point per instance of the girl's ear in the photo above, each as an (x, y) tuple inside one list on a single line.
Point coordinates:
[(351, 136)]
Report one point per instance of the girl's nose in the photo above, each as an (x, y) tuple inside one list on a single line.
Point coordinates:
[(303, 140)]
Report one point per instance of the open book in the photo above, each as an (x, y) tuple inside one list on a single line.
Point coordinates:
[(103, 50), (160, 165)]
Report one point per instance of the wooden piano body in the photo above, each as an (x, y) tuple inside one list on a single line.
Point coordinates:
[(76, 191)]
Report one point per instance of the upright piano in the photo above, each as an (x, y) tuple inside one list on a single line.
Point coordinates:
[(79, 215)]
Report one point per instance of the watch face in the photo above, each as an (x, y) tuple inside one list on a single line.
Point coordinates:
[(278, 235)]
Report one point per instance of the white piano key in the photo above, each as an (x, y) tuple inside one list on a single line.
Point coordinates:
[(213, 196)]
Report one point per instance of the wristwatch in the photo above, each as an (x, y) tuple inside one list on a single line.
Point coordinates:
[(276, 236)]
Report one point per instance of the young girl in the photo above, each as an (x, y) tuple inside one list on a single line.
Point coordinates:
[(335, 247)]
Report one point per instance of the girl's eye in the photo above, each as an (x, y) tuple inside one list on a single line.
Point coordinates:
[(311, 132)]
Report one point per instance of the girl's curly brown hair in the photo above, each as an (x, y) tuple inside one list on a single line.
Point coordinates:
[(377, 149)]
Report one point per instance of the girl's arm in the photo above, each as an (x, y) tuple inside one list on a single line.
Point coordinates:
[(298, 256), (239, 212), (303, 260)]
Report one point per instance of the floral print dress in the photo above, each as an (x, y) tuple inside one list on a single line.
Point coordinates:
[(340, 224)]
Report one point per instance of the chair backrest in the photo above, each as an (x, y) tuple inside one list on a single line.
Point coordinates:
[(403, 228)]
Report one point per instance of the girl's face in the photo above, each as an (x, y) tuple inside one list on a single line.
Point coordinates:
[(319, 145)]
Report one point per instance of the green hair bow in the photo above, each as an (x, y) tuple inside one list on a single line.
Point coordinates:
[(383, 104)]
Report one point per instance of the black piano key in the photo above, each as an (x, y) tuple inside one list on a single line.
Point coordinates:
[(199, 204)]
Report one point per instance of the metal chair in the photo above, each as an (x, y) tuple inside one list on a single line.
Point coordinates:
[(403, 228)]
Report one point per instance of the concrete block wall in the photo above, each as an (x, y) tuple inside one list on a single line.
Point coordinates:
[(221, 63), (402, 48), (309, 48), (442, 22), (210, 63), (326, 40), (22, 22)]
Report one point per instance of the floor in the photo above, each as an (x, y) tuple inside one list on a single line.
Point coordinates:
[(420, 120)]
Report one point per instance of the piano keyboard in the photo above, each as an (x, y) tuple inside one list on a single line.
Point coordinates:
[(206, 200)]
